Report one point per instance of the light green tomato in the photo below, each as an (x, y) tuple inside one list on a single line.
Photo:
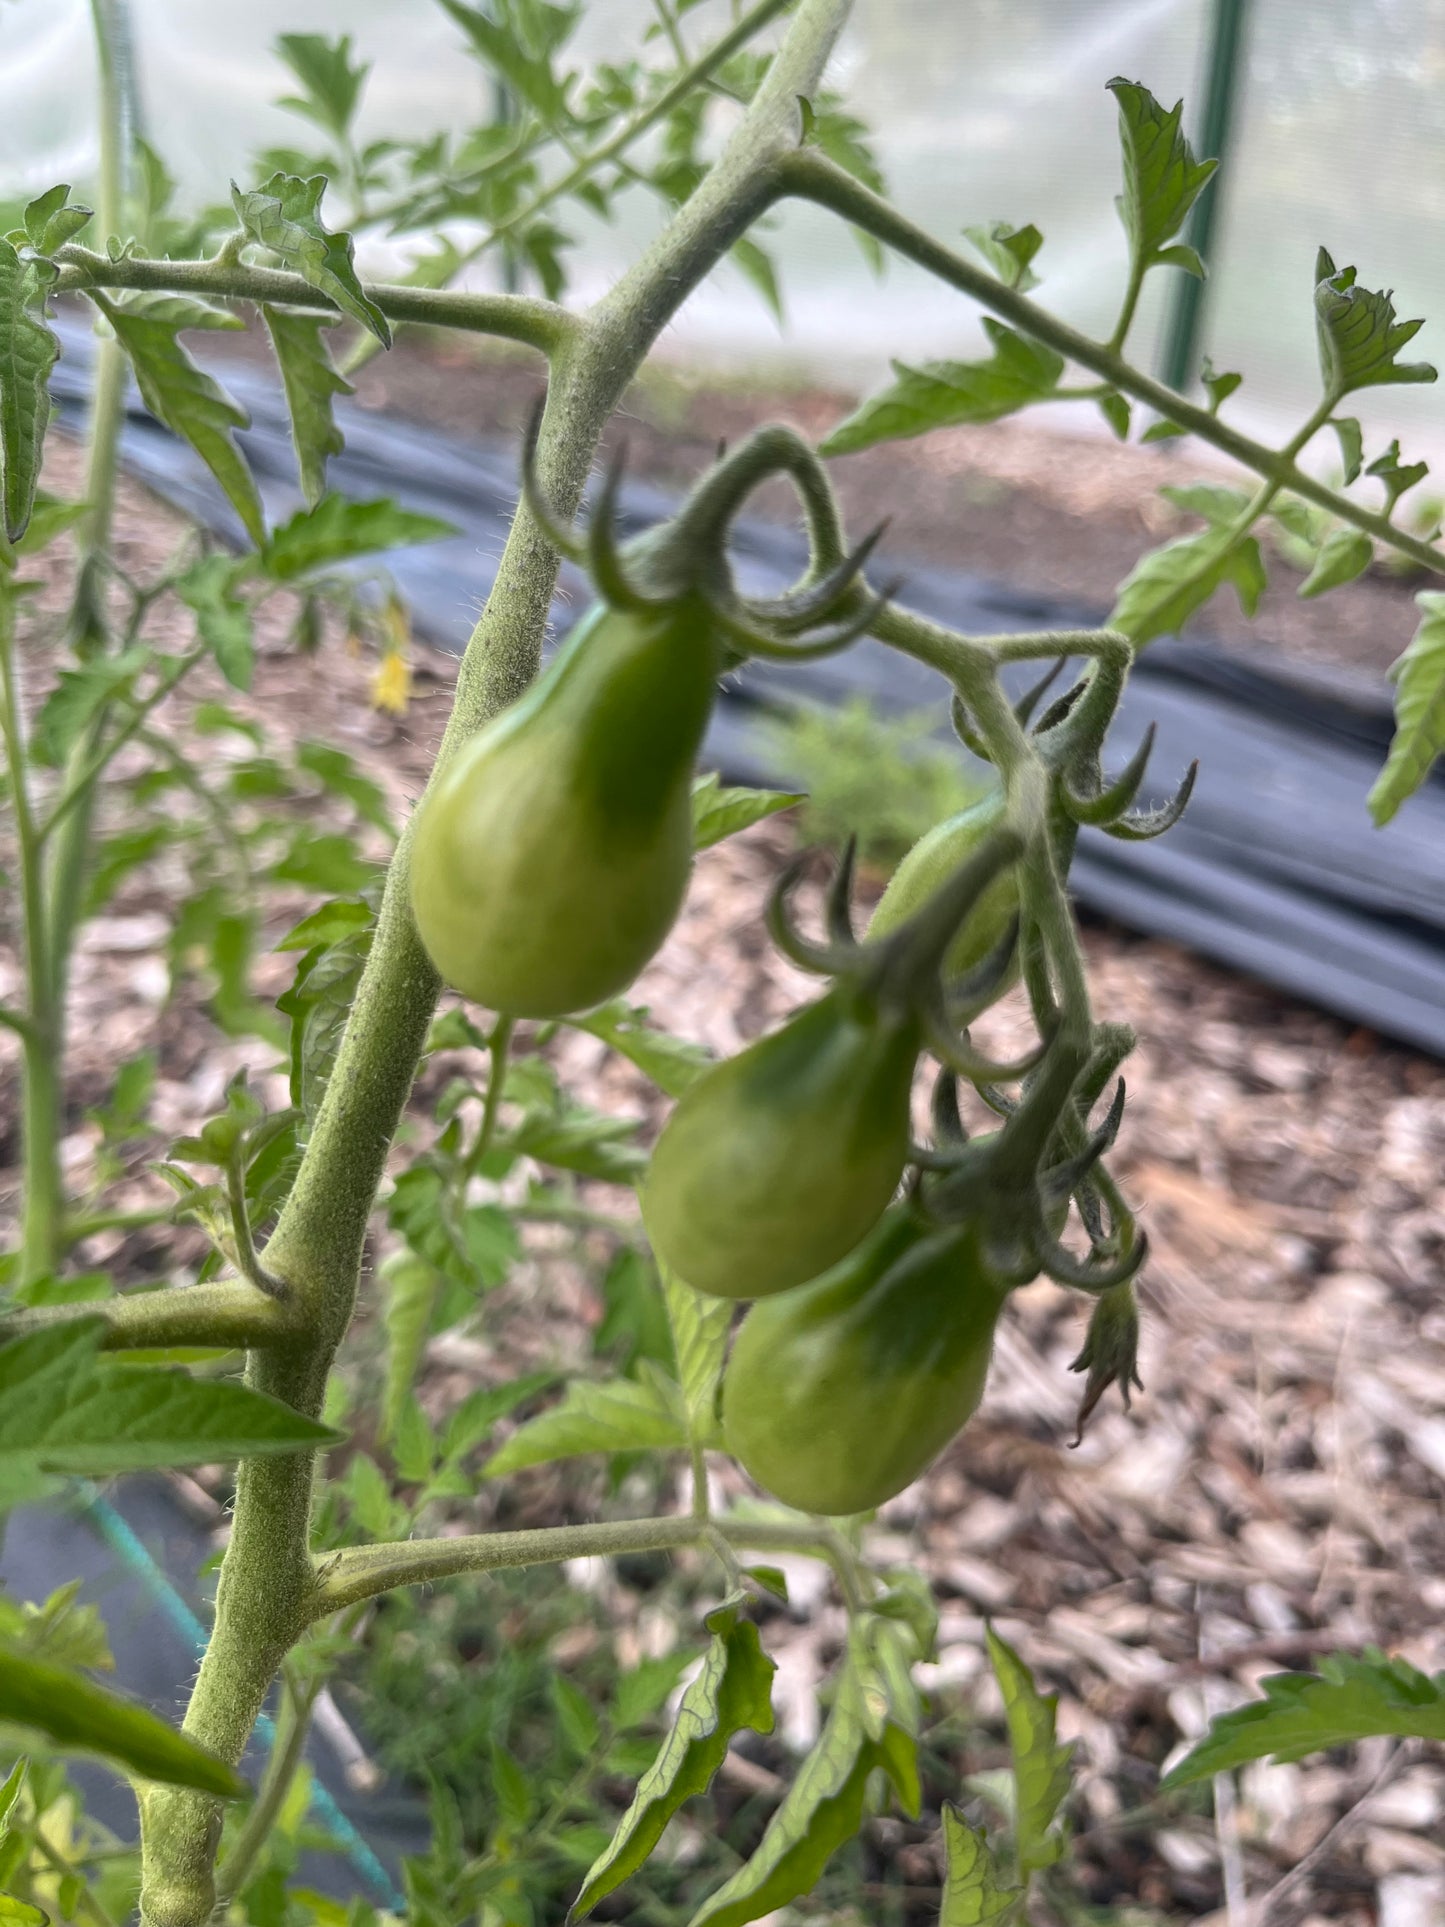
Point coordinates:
[(937, 856), (840, 1394)]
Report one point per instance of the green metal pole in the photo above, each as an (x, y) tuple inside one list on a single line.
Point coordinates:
[(1180, 358)]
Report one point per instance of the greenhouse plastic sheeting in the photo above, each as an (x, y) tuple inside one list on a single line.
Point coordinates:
[(1276, 868)]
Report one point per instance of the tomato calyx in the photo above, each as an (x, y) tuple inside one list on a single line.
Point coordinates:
[(902, 972), (685, 559)]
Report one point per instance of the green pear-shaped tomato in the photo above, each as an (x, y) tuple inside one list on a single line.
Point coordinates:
[(552, 854), (839, 1395), (777, 1161), (932, 860)]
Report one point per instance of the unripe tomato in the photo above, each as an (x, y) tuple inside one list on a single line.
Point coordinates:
[(840, 1394), (932, 860), (552, 854), (777, 1161)]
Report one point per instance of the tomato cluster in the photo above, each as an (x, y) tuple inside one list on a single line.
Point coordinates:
[(550, 859)]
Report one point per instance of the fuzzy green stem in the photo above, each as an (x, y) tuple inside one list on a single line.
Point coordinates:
[(811, 176), (538, 324), (228, 1316), (266, 1592)]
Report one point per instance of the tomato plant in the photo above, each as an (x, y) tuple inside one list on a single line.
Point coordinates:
[(540, 871)]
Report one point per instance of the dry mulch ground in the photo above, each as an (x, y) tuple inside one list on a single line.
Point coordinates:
[(1280, 1487)]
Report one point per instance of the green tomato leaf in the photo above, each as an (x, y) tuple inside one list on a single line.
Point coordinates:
[(49, 518), (1397, 476), (730, 1694), (1359, 337), (524, 60), (28, 352), (1352, 445), (592, 1143), (1117, 411), (700, 1326), (1042, 1779), (75, 1714), (336, 529), (822, 1808), (311, 383), (411, 1285), (1162, 179), (319, 1000), (1211, 501), (480, 1411), (78, 698), (719, 812), (974, 1894), (337, 772), (1350, 1698), (474, 1248), (671, 1062), (1347, 553), (284, 214), (1169, 584), (943, 393), (67, 1408), (223, 619), (761, 269), (1163, 431), (1218, 387), (189, 402), (1009, 251), (20, 1913), (620, 1415), (1181, 255), (332, 82), (1419, 679), (50, 221)]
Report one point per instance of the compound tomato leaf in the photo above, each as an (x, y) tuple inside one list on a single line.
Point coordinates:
[(1347, 553), (1162, 179), (28, 352), (1419, 679), (188, 401), (822, 1808), (66, 1408), (50, 222), (941, 394), (732, 1692), (719, 812), (1359, 337), (1041, 1766), (1169, 584), (333, 81), (284, 214), (336, 529), (411, 1294), (1352, 1697), (223, 619), (75, 1714), (1009, 251), (620, 1415), (700, 1326), (974, 1895), (311, 383), (671, 1062)]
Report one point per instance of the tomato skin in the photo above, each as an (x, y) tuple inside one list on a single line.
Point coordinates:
[(840, 1394), (551, 856), (778, 1161), (932, 860)]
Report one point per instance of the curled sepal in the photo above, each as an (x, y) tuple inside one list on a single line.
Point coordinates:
[(1062, 1179), (598, 551), (963, 729), (1027, 703), (1110, 1352), (947, 1119), (1094, 1273), (1105, 803), (837, 907), (822, 960), (755, 640), (1140, 829), (798, 608), (956, 1050)]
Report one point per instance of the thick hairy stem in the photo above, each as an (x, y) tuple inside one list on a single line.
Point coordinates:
[(234, 1315), (266, 1586), (812, 176)]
